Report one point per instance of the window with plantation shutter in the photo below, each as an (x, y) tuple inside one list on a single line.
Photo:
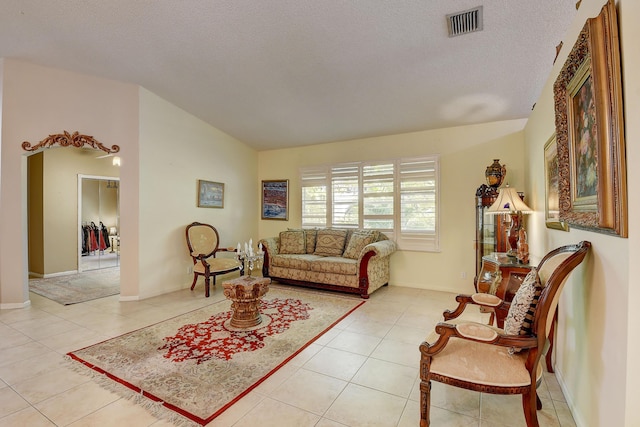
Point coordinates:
[(417, 204), (345, 195), (314, 197), (399, 198)]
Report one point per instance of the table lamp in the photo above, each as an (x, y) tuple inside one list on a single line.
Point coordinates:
[(509, 202)]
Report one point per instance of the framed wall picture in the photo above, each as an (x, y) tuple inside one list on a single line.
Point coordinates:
[(552, 200), (210, 194), (275, 199), (590, 130)]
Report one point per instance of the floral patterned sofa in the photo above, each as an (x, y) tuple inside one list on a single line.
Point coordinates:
[(353, 261)]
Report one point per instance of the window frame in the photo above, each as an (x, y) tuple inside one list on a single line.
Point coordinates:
[(425, 166)]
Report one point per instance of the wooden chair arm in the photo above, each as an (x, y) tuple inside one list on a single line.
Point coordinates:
[(478, 332), (477, 299)]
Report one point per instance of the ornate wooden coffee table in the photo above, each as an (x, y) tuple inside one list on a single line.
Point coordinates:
[(245, 293)]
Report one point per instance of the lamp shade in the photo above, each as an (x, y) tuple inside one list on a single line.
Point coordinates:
[(508, 201)]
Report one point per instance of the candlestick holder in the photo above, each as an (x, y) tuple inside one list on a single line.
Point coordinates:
[(249, 258)]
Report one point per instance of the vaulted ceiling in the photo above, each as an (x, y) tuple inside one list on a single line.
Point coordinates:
[(282, 73)]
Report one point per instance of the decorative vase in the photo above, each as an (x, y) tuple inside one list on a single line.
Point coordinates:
[(495, 173)]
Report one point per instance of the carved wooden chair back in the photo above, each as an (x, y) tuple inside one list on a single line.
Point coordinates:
[(203, 242)]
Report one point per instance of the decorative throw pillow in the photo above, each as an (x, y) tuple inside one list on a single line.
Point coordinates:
[(310, 234), (359, 239), (292, 242), (519, 320), (330, 242)]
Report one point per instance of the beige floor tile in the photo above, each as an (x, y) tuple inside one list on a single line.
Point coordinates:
[(454, 399), (26, 417), (370, 327), (553, 386), (379, 315), (443, 418), (277, 378), (15, 354), (397, 352), (271, 413), (74, 340), (564, 414), (46, 327), (76, 403), (32, 367), (9, 337), (11, 316), (239, 409), (10, 402), (355, 342), (411, 415), (336, 363), (309, 390), (328, 423), (48, 384), (408, 334), (507, 410), (387, 377), (327, 336), (121, 412), (362, 406), (306, 354)]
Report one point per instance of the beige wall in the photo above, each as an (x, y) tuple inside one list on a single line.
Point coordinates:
[(176, 150), (596, 355), (465, 152), (37, 102)]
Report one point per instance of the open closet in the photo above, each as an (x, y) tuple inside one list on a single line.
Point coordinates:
[(99, 237)]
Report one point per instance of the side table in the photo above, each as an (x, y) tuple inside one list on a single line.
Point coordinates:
[(245, 293), (501, 276)]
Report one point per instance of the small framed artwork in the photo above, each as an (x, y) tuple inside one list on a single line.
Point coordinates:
[(592, 183), (552, 201), (275, 199), (210, 194)]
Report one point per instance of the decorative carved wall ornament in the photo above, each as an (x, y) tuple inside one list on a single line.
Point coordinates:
[(67, 139)]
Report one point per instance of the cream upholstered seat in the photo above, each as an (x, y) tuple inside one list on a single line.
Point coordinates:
[(484, 358), (203, 241)]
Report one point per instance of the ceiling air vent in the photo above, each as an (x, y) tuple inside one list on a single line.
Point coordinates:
[(465, 22)]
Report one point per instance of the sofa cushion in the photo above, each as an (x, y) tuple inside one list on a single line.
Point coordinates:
[(519, 320), (359, 239), (292, 242), (299, 262), (336, 265), (330, 242)]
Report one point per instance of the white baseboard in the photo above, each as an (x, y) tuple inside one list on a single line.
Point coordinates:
[(13, 306), (131, 298), (565, 391)]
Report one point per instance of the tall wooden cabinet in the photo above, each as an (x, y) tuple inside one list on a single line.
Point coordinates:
[(491, 230)]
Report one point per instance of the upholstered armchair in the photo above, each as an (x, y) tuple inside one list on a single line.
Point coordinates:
[(488, 359), (203, 241)]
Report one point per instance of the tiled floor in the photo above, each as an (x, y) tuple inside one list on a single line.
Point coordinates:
[(363, 372)]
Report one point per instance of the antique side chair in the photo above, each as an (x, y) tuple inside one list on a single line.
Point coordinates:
[(484, 358), (203, 241)]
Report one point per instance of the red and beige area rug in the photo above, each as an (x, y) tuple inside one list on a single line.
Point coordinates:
[(192, 368)]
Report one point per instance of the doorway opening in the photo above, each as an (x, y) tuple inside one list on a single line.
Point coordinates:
[(98, 222)]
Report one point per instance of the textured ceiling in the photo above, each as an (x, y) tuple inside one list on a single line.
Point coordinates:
[(281, 73)]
